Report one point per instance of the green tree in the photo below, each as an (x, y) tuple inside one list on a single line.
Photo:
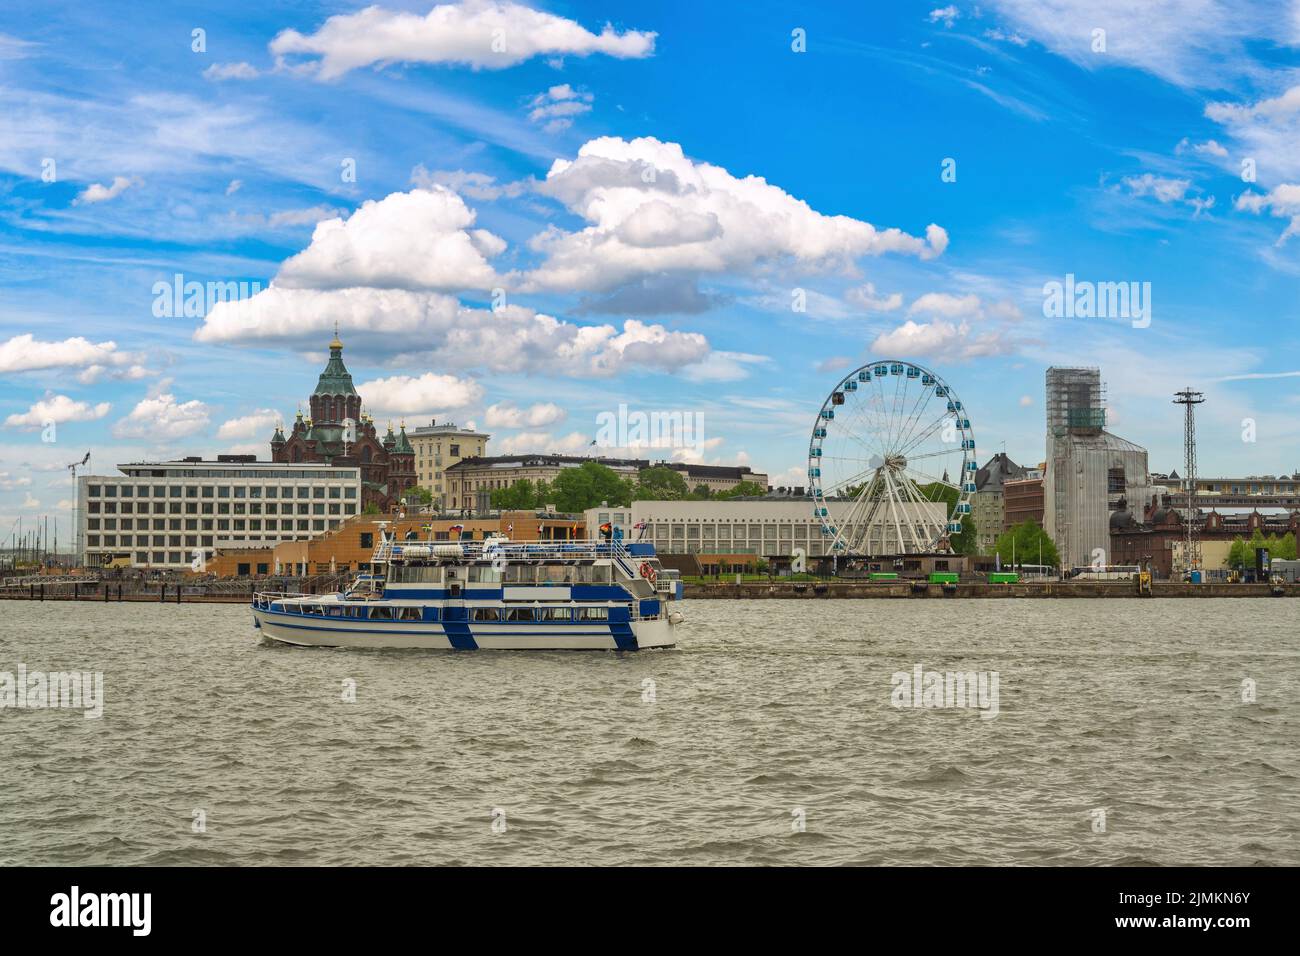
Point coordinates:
[(743, 489), (424, 494), (1021, 544), (661, 483), (577, 489), (701, 493), (521, 495), (1286, 550), (1236, 554), (966, 541)]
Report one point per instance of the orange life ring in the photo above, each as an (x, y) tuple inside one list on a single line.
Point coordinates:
[(648, 572)]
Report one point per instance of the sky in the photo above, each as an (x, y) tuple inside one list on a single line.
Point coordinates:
[(522, 216)]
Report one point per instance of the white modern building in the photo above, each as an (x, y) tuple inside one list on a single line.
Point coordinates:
[(165, 514), (767, 527)]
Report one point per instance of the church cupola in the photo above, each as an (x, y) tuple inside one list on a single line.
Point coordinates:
[(335, 398), (402, 446)]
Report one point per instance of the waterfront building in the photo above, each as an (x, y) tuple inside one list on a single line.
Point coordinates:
[(341, 434), (439, 447), (1250, 492), (717, 478), (1022, 500), (1157, 536), (987, 501), (733, 532), (1090, 471), (349, 547), (166, 514), (471, 481)]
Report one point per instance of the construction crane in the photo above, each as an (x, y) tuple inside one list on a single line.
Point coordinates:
[(76, 530)]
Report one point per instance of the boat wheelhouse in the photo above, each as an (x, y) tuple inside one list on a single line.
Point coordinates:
[(545, 595)]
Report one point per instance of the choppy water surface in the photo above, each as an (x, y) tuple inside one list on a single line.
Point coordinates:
[(769, 707)]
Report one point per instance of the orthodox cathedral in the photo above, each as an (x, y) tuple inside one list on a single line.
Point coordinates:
[(339, 433)]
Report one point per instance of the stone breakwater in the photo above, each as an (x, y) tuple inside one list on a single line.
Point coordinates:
[(749, 590), (752, 590)]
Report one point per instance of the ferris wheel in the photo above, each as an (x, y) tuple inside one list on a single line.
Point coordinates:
[(891, 462)]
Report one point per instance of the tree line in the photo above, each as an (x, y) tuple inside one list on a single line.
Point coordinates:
[(592, 484)]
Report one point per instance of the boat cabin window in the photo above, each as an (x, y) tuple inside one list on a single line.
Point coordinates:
[(414, 574), (485, 573), (593, 613), (406, 613), (553, 614), (519, 614), (314, 609), (555, 574), (485, 614), (293, 608), (380, 613), (334, 611)]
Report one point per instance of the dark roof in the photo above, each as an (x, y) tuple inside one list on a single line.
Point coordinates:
[(738, 472), (996, 470)]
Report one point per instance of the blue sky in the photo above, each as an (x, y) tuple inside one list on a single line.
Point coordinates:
[(523, 168)]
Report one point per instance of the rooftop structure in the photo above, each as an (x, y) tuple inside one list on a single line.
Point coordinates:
[(1090, 472)]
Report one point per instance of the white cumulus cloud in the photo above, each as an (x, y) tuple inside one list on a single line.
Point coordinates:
[(57, 409), (510, 415), (941, 339), (253, 425), (483, 34), (26, 353), (650, 210), (425, 394), (866, 298), (413, 240), (1282, 202), (97, 192), (161, 418), (557, 107)]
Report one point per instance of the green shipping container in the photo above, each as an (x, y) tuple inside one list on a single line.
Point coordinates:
[(884, 576), (1003, 577), (943, 577)]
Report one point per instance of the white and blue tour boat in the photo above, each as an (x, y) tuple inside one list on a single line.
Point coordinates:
[(465, 595)]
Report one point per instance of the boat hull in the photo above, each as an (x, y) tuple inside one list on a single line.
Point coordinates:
[(334, 632)]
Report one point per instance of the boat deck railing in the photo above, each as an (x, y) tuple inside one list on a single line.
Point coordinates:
[(469, 551), (264, 599)]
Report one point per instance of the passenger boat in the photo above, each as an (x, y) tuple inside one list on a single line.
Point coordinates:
[(542, 595)]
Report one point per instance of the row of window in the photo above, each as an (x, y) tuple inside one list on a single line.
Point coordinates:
[(221, 491), (234, 474), (481, 614), (207, 524), (220, 507), (512, 574), (174, 540), (755, 531)]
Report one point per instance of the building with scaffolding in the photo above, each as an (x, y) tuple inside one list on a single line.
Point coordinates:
[(1091, 473)]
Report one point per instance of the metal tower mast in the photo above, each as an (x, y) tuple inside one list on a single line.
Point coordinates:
[(1191, 545)]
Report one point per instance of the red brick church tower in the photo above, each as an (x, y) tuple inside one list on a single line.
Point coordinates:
[(340, 433)]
